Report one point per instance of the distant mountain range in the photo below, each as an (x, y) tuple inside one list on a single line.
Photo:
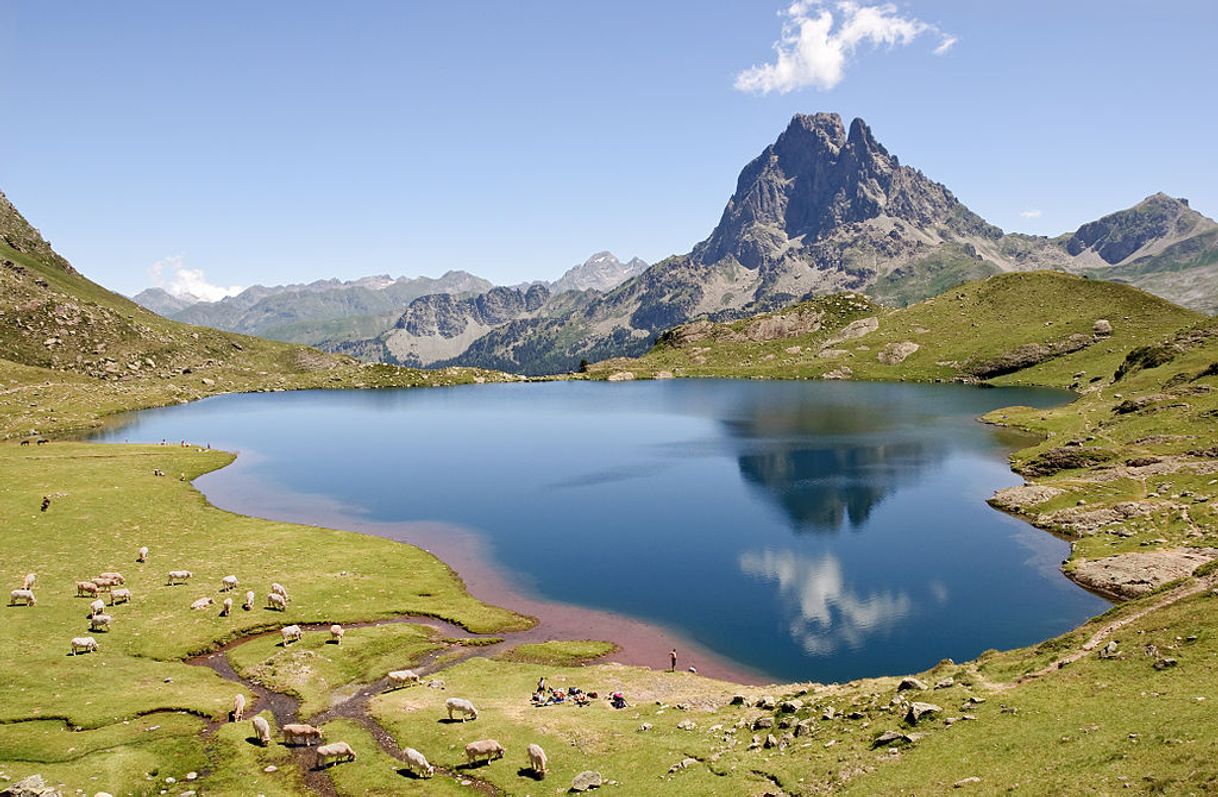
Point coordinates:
[(824, 208), (334, 311)]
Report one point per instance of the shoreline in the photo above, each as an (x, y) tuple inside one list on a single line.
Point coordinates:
[(640, 643)]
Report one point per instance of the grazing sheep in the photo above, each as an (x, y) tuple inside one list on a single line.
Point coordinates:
[(97, 607), (488, 749), (291, 633), (278, 589), (459, 705), (296, 733), (86, 588), (417, 763), (100, 622), (83, 644), (238, 707), (116, 578), (227, 583), (22, 596), (202, 603), (104, 584), (537, 760), (275, 601), (28, 581), (142, 556), (403, 678), (262, 729), (249, 601), (228, 607), (335, 751), (179, 576), (120, 596), (336, 633)]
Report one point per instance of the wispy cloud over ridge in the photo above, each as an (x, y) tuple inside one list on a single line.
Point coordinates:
[(172, 275), (817, 41), (1030, 214)]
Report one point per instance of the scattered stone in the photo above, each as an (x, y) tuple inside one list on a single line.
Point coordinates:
[(192, 775), (586, 781), (622, 376), (791, 706), (770, 741), (435, 683), (763, 722), (766, 702), (662, 375), (918, 710), (33, 786), (689, 725), (1165, 662), (895, 353), (960, 784), (890, 738), (829, 713), (646, 726), (270, 768), (805, 727), (1102, 327), (684, 763), (1109, 651), (911, 683), (946, 683), (738, 700)]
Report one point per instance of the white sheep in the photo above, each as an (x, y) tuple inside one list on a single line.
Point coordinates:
[(179, 576), (294, 733), (97, 607), (275, 601), (106, 582), (120, 596), (28, 581), (488, 749), (403, 678), (227, 607), (23, 596), (227, 583), (262, 729), (335, 751), (116, 578), (291, 633), (142, 556), (201, 603), (249, 600), (86, 588), (459, 705), (336, 633), (416, 762), (238, 707), (278, 589), (83, 644), (100, 622), (537, 760)]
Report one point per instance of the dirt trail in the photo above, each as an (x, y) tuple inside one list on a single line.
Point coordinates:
[(1187, 590), (286, 708)]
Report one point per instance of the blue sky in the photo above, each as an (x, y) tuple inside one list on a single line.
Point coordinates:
[(290, 141)]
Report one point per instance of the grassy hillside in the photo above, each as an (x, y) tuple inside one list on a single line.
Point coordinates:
[(1028, 328)]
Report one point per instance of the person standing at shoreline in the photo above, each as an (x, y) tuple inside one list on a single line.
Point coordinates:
[(672, 660)]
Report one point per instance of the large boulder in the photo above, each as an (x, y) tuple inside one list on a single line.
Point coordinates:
[(587, 781), (33, 786), (918, 710)]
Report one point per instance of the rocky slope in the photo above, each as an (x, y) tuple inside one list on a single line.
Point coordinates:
[(827, 208), (600, 272)]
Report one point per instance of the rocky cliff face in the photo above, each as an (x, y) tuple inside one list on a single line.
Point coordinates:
[(1152, 224), (23, 237)]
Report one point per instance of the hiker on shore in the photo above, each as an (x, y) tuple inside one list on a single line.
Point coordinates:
[(672, 660), (46, 502)]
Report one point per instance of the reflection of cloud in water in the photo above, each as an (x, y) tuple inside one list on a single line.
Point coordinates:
[(827, 613)]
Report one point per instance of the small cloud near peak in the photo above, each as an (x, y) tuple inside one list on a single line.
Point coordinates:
[(817, 41), (1030, 214)]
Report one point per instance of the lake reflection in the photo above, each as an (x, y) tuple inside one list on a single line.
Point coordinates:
[(809, 530)]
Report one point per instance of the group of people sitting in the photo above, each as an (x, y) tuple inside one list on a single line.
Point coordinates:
[(549, 696)]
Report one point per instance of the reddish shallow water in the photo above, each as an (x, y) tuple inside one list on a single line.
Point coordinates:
[(641, 643)]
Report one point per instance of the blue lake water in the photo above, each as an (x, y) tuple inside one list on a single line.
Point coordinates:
[(807, 530)]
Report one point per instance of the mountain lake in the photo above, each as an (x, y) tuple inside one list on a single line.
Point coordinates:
[(810, 531)]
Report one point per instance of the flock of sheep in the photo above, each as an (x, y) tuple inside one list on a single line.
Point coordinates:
[(112, 583)]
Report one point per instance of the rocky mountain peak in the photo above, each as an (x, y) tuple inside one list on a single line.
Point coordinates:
[(815, 179), (20, 235), (1119, 236)]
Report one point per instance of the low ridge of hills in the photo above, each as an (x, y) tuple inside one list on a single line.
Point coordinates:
[(71, 351), (822, 209)]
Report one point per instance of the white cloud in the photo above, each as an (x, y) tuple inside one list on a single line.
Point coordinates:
[(1030, 214), (825, 613), (815, 43), (172, 275)]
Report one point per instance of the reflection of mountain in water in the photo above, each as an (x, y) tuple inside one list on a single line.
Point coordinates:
[(826, 614), (826, 465)]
